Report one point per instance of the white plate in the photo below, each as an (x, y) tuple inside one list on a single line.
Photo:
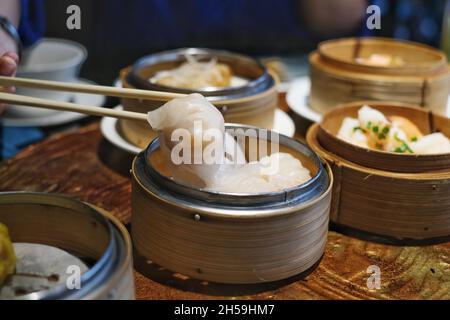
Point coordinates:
[(57, 118), (283, 124), (297, 100)]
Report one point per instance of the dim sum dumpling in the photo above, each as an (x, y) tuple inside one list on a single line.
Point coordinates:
[(196, 117), (194, 74), (239, 179), (229, 171), (347, 132), (272, 173), (431, 144), (288, 171), (369, 117)]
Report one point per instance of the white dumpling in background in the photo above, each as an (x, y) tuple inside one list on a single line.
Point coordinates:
[(194, 74), (431, 144), (395, 139), (370, 115), (348, 133), (196, 115)]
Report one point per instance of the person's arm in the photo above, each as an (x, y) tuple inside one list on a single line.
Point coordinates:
[(327, 18)]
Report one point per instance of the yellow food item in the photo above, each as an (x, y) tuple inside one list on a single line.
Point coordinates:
[(409, 128), (7, 256), (381, 60)]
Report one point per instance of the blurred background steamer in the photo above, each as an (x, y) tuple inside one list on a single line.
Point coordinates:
[(352, 69), (251, 98)]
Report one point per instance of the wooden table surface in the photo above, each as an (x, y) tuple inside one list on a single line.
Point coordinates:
[(73, 163)]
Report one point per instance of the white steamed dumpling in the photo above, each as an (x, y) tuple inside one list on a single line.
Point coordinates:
[(431, 144), (229, 172), (348, 133), (370, 115), (193, 114), (373, 130)]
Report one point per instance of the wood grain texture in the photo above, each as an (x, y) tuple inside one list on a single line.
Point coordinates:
[(69, 163)]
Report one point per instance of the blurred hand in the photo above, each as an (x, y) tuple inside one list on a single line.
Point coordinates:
[(8, 66)]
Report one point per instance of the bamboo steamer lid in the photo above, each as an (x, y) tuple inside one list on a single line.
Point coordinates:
[(337, 78), (400, 206), (252, 104), (426, 121), (230, 238)]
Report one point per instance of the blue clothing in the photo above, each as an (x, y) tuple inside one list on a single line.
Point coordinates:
[(32, 21), (31, 29)]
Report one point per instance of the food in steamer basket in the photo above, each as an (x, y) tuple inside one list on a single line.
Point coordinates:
[(194, 74), (373, 130), (229, 172)]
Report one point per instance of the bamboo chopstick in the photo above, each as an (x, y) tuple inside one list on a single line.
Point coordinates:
[(89, 88), (73, 107)]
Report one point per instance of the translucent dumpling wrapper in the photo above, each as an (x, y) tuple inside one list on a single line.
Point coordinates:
[(283, 170), (394, 134), (369, 117), (433, 143), (194, 74), (272, 173), (200, 127), (348, 133), (190, 127)]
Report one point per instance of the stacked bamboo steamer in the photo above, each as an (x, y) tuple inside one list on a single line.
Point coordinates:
[(399, 196), (225, 237), (337, 77), (252, 103)]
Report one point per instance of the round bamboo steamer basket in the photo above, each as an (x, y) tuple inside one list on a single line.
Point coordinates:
[(427, 122), (400, 206), (79, 229), (253, 105), (230, 238), (336, 77)]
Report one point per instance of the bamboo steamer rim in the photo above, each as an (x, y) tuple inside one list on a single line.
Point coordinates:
[(374, 104), (214, 212), (311, 138), (325, 47), (335, 72)]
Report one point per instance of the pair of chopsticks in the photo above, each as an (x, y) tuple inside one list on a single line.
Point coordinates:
[(82, 88)]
